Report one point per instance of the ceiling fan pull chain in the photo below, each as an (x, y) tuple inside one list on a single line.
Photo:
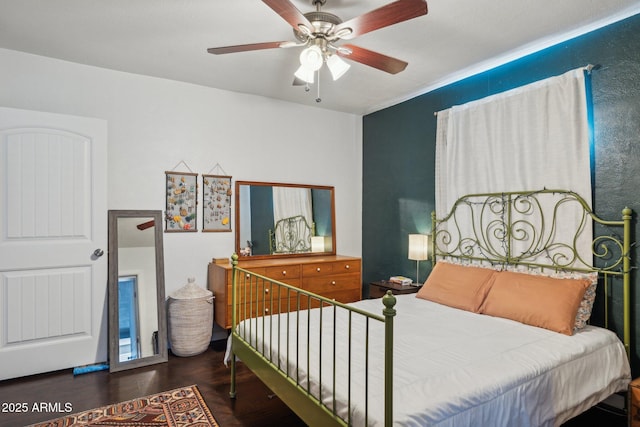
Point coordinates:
[(318, 99)]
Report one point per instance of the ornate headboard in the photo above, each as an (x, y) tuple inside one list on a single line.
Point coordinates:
[(291, 235), (528, 229)]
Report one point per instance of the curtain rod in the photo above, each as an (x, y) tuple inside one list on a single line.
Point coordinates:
[(588, 68)]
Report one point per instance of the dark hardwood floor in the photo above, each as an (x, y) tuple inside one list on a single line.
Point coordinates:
[(252, 408)]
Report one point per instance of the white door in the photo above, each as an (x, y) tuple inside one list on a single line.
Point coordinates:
[(53, 217)]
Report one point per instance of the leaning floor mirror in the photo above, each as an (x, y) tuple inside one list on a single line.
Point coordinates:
[(137, 316)]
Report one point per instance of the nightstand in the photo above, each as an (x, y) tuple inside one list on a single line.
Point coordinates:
[(379, 288)]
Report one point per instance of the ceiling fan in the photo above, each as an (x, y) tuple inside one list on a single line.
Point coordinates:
[(319, 32), (145, 225)]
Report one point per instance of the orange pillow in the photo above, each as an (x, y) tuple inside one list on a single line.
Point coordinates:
[(457, 286), (536, 300)]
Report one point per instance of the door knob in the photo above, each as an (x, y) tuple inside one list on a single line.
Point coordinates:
[(98, 253)]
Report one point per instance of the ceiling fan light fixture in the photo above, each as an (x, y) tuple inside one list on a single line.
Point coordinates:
[(343, 32), (304, 74), (337, 66), (312, 58), (304, 30)]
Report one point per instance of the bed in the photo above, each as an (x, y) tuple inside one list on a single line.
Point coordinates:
[(433, 360), (291, 235)]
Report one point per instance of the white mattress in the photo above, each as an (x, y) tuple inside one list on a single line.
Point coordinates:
[(451, 367)]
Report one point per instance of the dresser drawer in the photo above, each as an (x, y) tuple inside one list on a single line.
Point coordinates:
[(284, 272), (246, 279), (323, 284), (261, 271), (261, 289), (335, 267), (262, 308)]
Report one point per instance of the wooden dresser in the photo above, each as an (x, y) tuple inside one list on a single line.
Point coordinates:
[(337, 277)]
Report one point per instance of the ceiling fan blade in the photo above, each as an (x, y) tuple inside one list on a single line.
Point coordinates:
[(392, 13), (145, 225), (289, 13), (246, 47), (372, 59)]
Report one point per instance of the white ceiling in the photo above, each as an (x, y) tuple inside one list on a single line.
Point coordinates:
[(169, 38), (130, 237)]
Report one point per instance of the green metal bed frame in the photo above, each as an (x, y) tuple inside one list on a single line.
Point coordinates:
[(499, 220), (291, 236), (262, 294), (503, 220)]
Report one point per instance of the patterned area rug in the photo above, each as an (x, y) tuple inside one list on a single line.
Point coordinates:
[(182, 407)]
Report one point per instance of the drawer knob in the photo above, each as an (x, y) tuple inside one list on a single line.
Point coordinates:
[(346, 266), (266, 310), (266, 291), (247, 276), (318, 269), (284, 272), (333, 282)]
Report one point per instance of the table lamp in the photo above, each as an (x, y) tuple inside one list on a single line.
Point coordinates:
[(418, 250)]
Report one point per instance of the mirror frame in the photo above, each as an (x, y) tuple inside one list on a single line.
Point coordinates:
[(239, 210), (114, 355)]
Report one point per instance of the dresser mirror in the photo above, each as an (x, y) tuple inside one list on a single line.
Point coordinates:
[(284, 220), (137, 316)]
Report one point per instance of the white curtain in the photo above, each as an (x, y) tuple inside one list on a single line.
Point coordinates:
[(442, 186), (525, 139), (291, 201)]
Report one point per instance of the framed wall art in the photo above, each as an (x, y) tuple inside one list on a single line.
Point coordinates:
[(181, 208), (216, 203)]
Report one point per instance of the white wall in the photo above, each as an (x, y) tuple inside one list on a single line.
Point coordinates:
[(141, 262), (154, 124)]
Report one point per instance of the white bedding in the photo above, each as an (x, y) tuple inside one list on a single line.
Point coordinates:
[(451, 367)]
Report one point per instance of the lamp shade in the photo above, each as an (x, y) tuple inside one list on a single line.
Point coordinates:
[(317, 244), (304, 74), (418, 247), (311, 58), (337, 66)]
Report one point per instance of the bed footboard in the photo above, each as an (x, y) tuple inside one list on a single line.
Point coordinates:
[(314, 353)]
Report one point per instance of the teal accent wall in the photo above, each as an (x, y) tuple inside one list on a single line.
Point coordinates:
[(321, 206), (261, 218), (399, 148)]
